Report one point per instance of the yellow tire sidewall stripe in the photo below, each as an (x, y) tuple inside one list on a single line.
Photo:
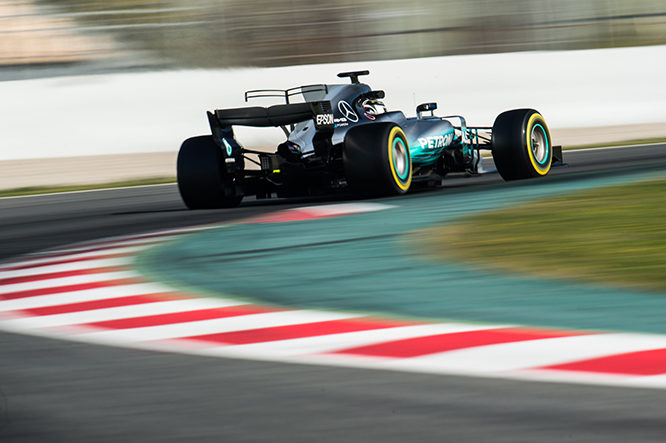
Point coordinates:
[(541, 170), (397, 131)]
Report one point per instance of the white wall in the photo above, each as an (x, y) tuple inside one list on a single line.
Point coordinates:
[(147, 112)]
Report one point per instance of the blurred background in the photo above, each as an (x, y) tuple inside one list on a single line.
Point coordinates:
[(101, 36), (599, 64)]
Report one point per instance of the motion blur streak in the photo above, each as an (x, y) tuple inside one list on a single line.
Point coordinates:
[(217, 33)]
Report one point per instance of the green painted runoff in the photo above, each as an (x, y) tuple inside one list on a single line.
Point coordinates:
[(368, 263)]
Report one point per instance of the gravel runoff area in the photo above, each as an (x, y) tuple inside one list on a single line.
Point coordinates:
[(97, 169)]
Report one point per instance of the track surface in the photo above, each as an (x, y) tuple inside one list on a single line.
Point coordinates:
[(63, 391)]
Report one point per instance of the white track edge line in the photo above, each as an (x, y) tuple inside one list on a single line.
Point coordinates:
[(86, 190)]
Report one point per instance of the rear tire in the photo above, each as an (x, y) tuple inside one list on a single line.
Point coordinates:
[(202, 178), (521, 144), (376, 159)]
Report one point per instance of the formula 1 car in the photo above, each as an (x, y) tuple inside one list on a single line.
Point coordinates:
[(341, 137)]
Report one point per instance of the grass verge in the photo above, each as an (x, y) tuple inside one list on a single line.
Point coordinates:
[(614, 235), (33, 190)]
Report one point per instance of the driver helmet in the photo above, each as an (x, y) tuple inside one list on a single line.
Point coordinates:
[(372, 107)]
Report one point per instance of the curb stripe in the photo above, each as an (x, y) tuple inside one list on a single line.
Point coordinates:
[(295, 331), (287, 216), (515, 356), (61, 274), (48, 268), (69, 288), (214, 326), (114, 241), (120, 313), (91, 293), (98, 304), (81, 296), (322, 346), (66, 261), (88, 250), (71, 258), (67, 281), (651, 362), (178, 317), (315, 212), (415, 347)]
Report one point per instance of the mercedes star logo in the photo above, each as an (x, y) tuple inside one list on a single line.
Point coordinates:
[(347, 111)]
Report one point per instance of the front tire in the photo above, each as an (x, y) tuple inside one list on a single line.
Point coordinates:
[(376, 159), (521, 144), (202, 178)]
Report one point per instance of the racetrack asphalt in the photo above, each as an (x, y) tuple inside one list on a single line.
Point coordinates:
[(53, 390)]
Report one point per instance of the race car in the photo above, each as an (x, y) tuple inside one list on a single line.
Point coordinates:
[(341, 138)]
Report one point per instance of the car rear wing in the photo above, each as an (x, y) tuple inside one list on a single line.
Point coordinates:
[(278, 115), (222, 121), (309, 93)]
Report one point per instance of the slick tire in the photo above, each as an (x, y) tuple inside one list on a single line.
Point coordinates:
[(521, 144), (202, 180), (376, 159)]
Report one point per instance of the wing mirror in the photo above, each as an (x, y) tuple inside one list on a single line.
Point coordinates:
[(425, 107)]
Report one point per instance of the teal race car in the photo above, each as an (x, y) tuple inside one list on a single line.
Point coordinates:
[(341, 138)]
